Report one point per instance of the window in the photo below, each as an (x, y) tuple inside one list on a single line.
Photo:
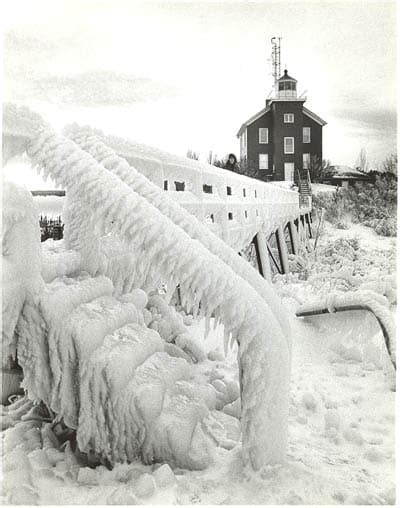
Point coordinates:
[(306, 161), (245, 214), (287, 85), (165, 184), (255, 193), (288, 117), (306, 135), (263, 135), (230, 216), (263, 161), (207, 189), (179, 186), (229, 191), (244, 193), (288, 145)]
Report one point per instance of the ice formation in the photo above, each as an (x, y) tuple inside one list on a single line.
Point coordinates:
[(84, 325), (21, 259), (370, 300), (95, 143)]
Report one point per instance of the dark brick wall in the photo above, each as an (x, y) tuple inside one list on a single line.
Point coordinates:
[(254, 148), (282, 130), (278, 130), (315, 147)]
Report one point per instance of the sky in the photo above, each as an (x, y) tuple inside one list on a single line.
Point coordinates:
[(186, 75)]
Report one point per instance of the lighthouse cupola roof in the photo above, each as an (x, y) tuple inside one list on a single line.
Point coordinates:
[(286, 77)]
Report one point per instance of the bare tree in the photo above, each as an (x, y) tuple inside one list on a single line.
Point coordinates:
[(191, 154), (389, 165), (362, 161), (320, 169)]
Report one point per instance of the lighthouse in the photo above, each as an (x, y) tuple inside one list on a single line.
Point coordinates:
[(284, 139)]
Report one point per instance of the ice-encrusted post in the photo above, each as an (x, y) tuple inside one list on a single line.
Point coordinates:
[(265, 377)]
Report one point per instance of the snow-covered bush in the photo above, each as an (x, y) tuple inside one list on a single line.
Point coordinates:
[(371, 204), (339, 265), (383, 227), (332, 202), (343, 224)]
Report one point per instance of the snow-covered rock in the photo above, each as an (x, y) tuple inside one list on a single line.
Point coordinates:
[(164, 476)]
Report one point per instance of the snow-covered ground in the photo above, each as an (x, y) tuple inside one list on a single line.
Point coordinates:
[(341, 421)]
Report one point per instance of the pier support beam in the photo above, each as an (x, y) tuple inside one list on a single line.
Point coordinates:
[(260, 244), (294, 237), (282, 249), (308, 222)]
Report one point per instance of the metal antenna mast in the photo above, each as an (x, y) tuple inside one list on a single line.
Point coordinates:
[(276, 58)]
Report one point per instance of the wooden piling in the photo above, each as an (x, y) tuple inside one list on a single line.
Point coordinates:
[(263, 263), (294, 237), (282, 249)]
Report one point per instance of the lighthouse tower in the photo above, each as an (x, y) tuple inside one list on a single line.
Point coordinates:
[(284, 139)]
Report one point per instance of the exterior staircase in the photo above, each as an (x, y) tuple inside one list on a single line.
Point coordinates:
[(305, 191)]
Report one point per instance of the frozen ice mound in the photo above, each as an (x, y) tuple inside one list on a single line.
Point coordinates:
[(94, 362), (57, 261)]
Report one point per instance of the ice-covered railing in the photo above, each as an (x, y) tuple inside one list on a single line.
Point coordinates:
[(93, 141), (358, 300), (234, 206), (163, 252)]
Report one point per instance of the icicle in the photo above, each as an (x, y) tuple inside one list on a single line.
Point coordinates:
[(232, 341), (226, 340)]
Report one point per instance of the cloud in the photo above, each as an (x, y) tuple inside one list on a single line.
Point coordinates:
[(91, 89), (368, 117), (37, 69)]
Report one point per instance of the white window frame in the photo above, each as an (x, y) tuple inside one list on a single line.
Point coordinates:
[(263, 161), (285, 147), (306, 134), (288, 118), (306, 160), (263, 135)]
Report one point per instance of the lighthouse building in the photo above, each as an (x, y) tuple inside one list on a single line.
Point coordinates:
[(284, 139)]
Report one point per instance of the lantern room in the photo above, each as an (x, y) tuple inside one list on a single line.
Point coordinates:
[(286, 87)]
